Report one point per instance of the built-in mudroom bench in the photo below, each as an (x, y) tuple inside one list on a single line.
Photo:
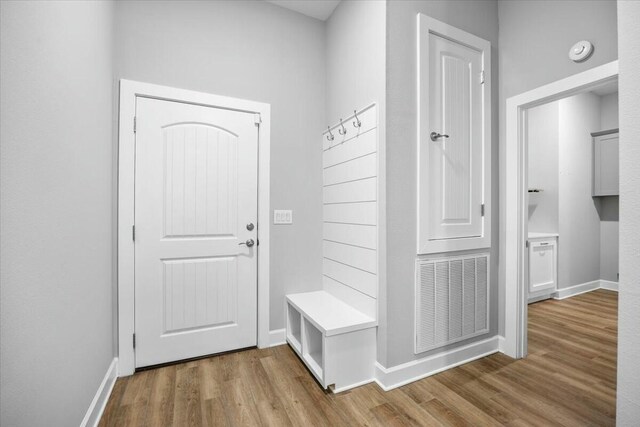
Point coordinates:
[(334, 340), (333, 330)]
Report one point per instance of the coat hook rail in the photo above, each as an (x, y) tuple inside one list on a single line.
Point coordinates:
[(357, 123)]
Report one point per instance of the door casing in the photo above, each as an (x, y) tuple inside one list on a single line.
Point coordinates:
[(129, 91)]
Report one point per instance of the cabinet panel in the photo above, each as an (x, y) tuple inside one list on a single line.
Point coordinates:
[(454, 139), (542, 266), (606, 165)]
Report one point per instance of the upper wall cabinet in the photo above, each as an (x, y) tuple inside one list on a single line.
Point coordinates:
[(605, 163), (454, 139)]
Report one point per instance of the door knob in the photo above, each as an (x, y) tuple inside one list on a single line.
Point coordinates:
[(250, 226), (249, 243), (435, 136)]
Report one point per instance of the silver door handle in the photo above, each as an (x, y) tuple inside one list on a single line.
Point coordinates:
[(249, 243), (435, 136)]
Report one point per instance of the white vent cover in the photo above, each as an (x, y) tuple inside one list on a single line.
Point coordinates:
[(452, 300)]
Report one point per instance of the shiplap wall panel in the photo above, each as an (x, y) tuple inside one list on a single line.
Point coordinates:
[(350, 213), (355, 169), (364, 190), (363, 213), (356, 299), (364, 144), (355, 278), (364, 236), (364, 259)]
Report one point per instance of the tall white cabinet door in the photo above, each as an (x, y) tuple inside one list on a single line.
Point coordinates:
[(606, 165), (453, 140), (195, 194)]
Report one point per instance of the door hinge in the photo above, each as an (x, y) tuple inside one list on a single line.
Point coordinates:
[(482, 77), (482, 209), (135, 124), (134, 340), (526, 244), (133, 233), (257, 119)]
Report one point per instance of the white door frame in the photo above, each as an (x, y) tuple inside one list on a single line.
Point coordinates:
[(129, 91), (512, 257)]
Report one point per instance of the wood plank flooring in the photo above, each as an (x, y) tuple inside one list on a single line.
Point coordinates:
[(568, 379)]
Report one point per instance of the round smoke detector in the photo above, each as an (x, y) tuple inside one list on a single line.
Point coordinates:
[(581, 51)]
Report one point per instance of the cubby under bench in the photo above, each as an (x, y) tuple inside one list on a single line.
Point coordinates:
[(335, 341)]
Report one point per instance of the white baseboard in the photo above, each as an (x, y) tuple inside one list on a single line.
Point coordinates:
[(277, 337), (350, 386), (99, 402), (609, 285), (540, 298), (397, 376), (585, 287), (501, 344)]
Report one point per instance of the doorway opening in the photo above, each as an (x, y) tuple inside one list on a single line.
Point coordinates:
[(519, 245)]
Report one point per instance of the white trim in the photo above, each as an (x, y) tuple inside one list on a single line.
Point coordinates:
[(350, 386), (572, 291), (512, 257), (609, 285), (99, 402), (424, 246), (277, 337), (397, 376), (129, 90), (501, 344), (582, 288)]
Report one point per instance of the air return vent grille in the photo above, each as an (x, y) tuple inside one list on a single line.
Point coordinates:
[(452, 300)]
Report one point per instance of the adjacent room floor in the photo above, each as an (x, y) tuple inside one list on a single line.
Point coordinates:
[(569, 378)]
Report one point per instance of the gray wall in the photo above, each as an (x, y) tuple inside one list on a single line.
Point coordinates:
[(609, 111), (355, 57), (579, 222), (257, 51), (56, 199), (628, 396), (543, 154), (535, 37), (355, 70), (481, 19)]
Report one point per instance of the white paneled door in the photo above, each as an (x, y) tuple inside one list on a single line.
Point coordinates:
[(195, 231), (455, 160), (454, 139)]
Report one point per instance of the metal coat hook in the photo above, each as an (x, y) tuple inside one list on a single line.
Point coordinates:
[(357, 123), (330, 137), (342, 131)]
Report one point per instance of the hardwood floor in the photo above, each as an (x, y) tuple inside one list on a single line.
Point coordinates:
[(569, 379)]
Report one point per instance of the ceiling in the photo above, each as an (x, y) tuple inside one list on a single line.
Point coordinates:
[(319, 9)]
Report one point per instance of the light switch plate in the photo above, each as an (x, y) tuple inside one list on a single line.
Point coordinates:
[(282, 216)]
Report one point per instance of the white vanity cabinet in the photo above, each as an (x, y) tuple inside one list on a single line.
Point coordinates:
[(605, 163), (543, 264)]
